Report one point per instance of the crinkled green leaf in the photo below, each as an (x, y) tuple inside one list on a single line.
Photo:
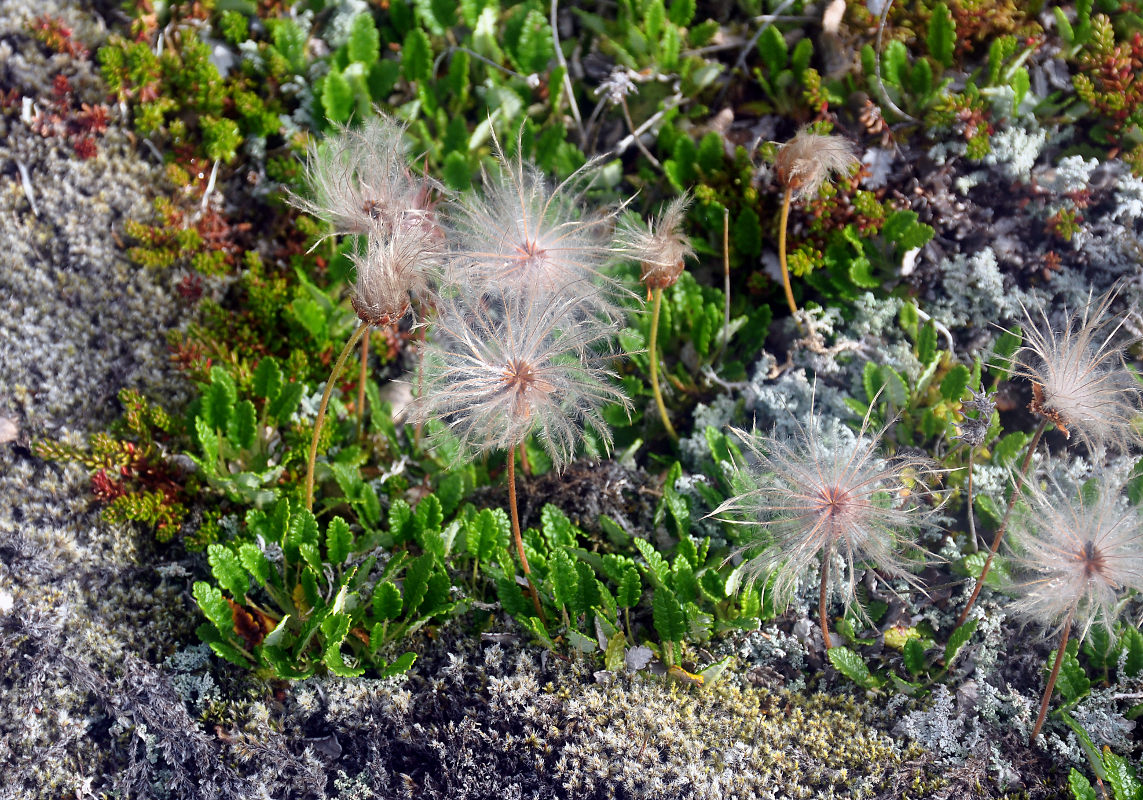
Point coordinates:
[(228, 571)]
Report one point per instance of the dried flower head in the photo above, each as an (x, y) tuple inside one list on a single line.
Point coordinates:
[(503, 365), (361, 182), (815, 493), (974, 430), (1076, 556), (809, 159), (660, 245), (1079, 379), (523, 233)]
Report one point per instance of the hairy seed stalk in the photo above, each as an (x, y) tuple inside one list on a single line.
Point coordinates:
[(1020, 476), (337, 367), (651, 349), (518, 538), (1061, 649)]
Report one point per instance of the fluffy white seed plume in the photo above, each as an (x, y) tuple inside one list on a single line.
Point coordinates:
[(521, 232), (809, 159), (660, 246), (1076, 557), (361, 182), (813, 494), (503, 365), (1079, 379)]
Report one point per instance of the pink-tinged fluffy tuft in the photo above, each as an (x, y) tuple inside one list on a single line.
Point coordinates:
[(813, 495), (1076, 554), (361, 182), (522, 233), (660, 246), (809, 159), (1079, 379), (504, 365)]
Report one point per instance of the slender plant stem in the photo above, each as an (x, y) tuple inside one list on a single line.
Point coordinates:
[(657, 305), (361, 386), (524, 459), (345, 351), (1060, 650), (725, 283), (822, 595), (516, 534), (1020, 476), (782, 225), (971, 516), (638, 142)]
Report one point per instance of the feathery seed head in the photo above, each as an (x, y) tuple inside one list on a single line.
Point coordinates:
[(1076, 554), (1079, 379), (660, 246), (503, 365), (814, 494), (523, 233), (362, 183), (809, 159), (392, 270)]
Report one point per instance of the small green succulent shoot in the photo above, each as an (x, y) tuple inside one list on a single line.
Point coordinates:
[(817, 493)]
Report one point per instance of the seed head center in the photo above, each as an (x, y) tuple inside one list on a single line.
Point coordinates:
[(832, 501), (1093, 560), (521, 379)]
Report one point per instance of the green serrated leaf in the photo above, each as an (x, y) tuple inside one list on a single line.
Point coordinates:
[(208, 445), (1000, 364), (219, 398), (681, 12), (565, 581), (1080, 786), (214, 606), (913, 655), (656, 567), (428, 516), (303, 530), (417, 582), (417, 56), (364, 43), (667, 614), (286, 403), (243, 425), (338, 101), (959, 639), (1122, 777), (1072, 682), (630, 588), (338, 541), (927, 342), (228, 571), (400, 666), (254, 562), (1133, 641), (853, 666), (386, 601), (942, 35), (267, 381), (954, 383), (772, 48)]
